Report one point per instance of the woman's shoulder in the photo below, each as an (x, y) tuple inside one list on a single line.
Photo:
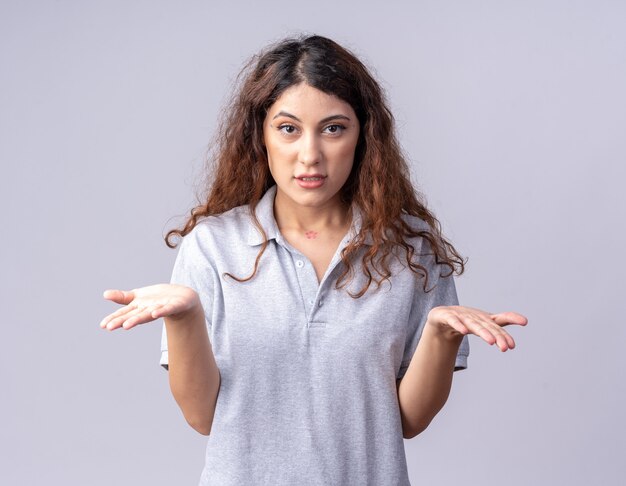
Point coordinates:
[(415, 223), (421, 233), (229, 228), (228, 220)]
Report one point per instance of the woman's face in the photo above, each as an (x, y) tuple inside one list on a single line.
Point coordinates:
[(310, 138)]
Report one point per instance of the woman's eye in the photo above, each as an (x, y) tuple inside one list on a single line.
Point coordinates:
[(288, 129), (334, 128)]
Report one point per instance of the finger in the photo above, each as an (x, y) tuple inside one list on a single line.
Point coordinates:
[(509, 339), (476, 328), (141, 317), (492, 333), (120, 320), (501, 341), (118, 313), (155, 309), (162, 310), (508, 318), (505, 340), (119, 296), (458, 325)]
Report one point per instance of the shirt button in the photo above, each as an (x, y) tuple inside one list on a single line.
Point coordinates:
[(320, 302), (299, 264), (311, 302)]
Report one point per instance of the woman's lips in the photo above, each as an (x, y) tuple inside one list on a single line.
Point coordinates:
[(310, 181)]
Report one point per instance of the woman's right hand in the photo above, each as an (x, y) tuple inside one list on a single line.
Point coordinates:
[(147, 304)]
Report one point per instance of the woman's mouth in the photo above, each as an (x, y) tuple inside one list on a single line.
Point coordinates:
[(312, 181)]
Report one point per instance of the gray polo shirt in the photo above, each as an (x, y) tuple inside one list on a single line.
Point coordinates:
[(308, 374)]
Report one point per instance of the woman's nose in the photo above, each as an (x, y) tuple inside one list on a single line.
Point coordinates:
[(310, 150)]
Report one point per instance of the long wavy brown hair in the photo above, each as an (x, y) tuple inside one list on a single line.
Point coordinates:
[(379, 183)]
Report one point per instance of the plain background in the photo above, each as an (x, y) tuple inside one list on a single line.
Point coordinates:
[(513, 115)]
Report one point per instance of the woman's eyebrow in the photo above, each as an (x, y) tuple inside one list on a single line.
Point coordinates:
[(328, 118)]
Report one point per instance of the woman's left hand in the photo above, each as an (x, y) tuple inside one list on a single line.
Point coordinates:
[(457, 321)]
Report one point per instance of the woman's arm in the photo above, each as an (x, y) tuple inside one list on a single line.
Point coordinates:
[(425, 387), (193, 373)]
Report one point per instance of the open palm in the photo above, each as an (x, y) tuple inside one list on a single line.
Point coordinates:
[(462, 320), (147, 304)]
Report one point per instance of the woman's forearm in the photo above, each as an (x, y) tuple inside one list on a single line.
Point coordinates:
[(425, 387), (193, 373)]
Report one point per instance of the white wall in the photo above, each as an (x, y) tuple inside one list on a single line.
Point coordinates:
[(513, 114)]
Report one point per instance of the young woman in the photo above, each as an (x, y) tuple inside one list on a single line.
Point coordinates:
[(311, 322)]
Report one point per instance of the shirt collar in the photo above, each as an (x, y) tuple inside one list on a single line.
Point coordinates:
[(265, 214)]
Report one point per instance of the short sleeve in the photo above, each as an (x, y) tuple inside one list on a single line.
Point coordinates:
[(193, 269), (444, 293)]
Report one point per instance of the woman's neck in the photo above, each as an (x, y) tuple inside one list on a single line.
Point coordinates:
[(334, 215)]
